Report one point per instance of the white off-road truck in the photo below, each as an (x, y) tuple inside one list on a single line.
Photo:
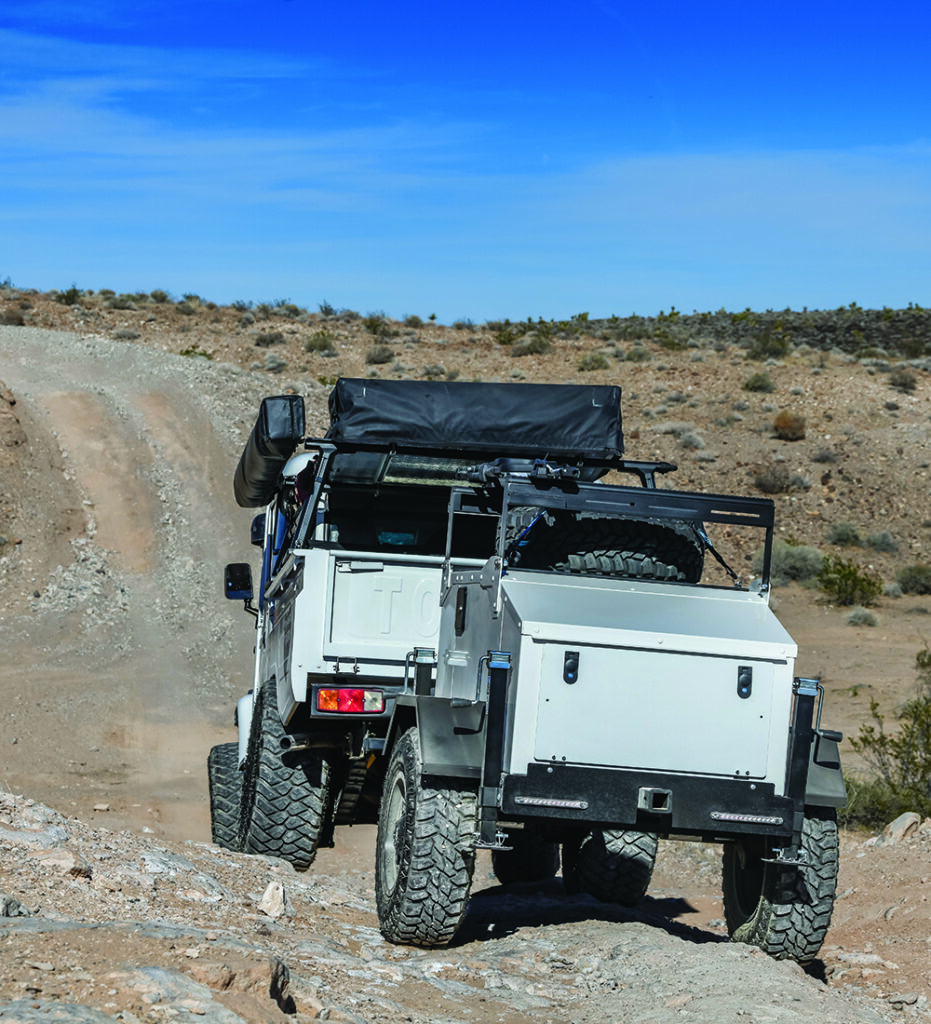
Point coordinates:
[(480, 626)]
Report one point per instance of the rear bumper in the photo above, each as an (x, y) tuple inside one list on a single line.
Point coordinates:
[(712, 808)]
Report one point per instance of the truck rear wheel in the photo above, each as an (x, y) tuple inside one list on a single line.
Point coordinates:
[(613, 865), (224, 781), (530, 859), (284, 811), (786, 925), (424, 856)]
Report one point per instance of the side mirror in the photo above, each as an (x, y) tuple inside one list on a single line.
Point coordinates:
[(258, 530), (237, 581)]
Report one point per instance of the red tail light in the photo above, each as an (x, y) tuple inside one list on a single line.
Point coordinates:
[(350, 700)]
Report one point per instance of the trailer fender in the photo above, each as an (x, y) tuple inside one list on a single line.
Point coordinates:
[(452, 733), (825, 784)]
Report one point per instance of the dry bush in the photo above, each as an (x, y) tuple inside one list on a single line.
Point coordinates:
[(771, 478), (379, 354), (592, 361), (902, 379), (789, 426)]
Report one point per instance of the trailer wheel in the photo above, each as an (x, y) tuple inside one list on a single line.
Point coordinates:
[(660, 549), (424, 855), (530, 859), (284, 811), (613, 865), (224, 781), (788, 923)]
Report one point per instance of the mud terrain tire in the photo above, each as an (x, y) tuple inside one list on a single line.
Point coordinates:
[(284, 811), (786, 928), (424, 856), (530, 859), (224, 781), (658, 549), (613, 865)]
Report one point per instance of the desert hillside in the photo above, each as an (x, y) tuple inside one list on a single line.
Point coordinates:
[(121, 419)]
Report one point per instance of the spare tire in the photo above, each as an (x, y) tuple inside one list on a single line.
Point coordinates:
[(658, 549)]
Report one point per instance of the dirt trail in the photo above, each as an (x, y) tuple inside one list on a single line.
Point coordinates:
[(139, 657)]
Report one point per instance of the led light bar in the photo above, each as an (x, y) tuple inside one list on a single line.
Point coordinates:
[(350, 700), (746, 819), (541, 801)]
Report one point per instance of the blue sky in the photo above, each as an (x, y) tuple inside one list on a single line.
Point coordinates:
[(488, 160)]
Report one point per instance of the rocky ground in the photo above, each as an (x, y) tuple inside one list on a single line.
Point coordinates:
[(122, 664)]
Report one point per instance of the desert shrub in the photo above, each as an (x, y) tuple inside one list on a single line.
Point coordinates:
[(902, 379), (195, 352), (843, 535), (669, 340), (771, 478), (871, 803), (412, 320), (691, 441), (241, 305), (326, 309), (379, 354), (789, 562), (434, 370), (915, 579), (901, 760), (186, 308), (69, 297), (267, 338), (771, 343), (861, 617), (882, 541), (845, 583), (675, 427), (760, 382), (592, 361), (319, 341), (533, 345), (376, 324), (637, 353), (126, 334), (789, 426), (159, 297), (12, 318), (120, 302), (464, 325), (799, 482), (274, 363)]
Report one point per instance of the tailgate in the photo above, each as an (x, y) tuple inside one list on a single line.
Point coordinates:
[(382, 609)]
